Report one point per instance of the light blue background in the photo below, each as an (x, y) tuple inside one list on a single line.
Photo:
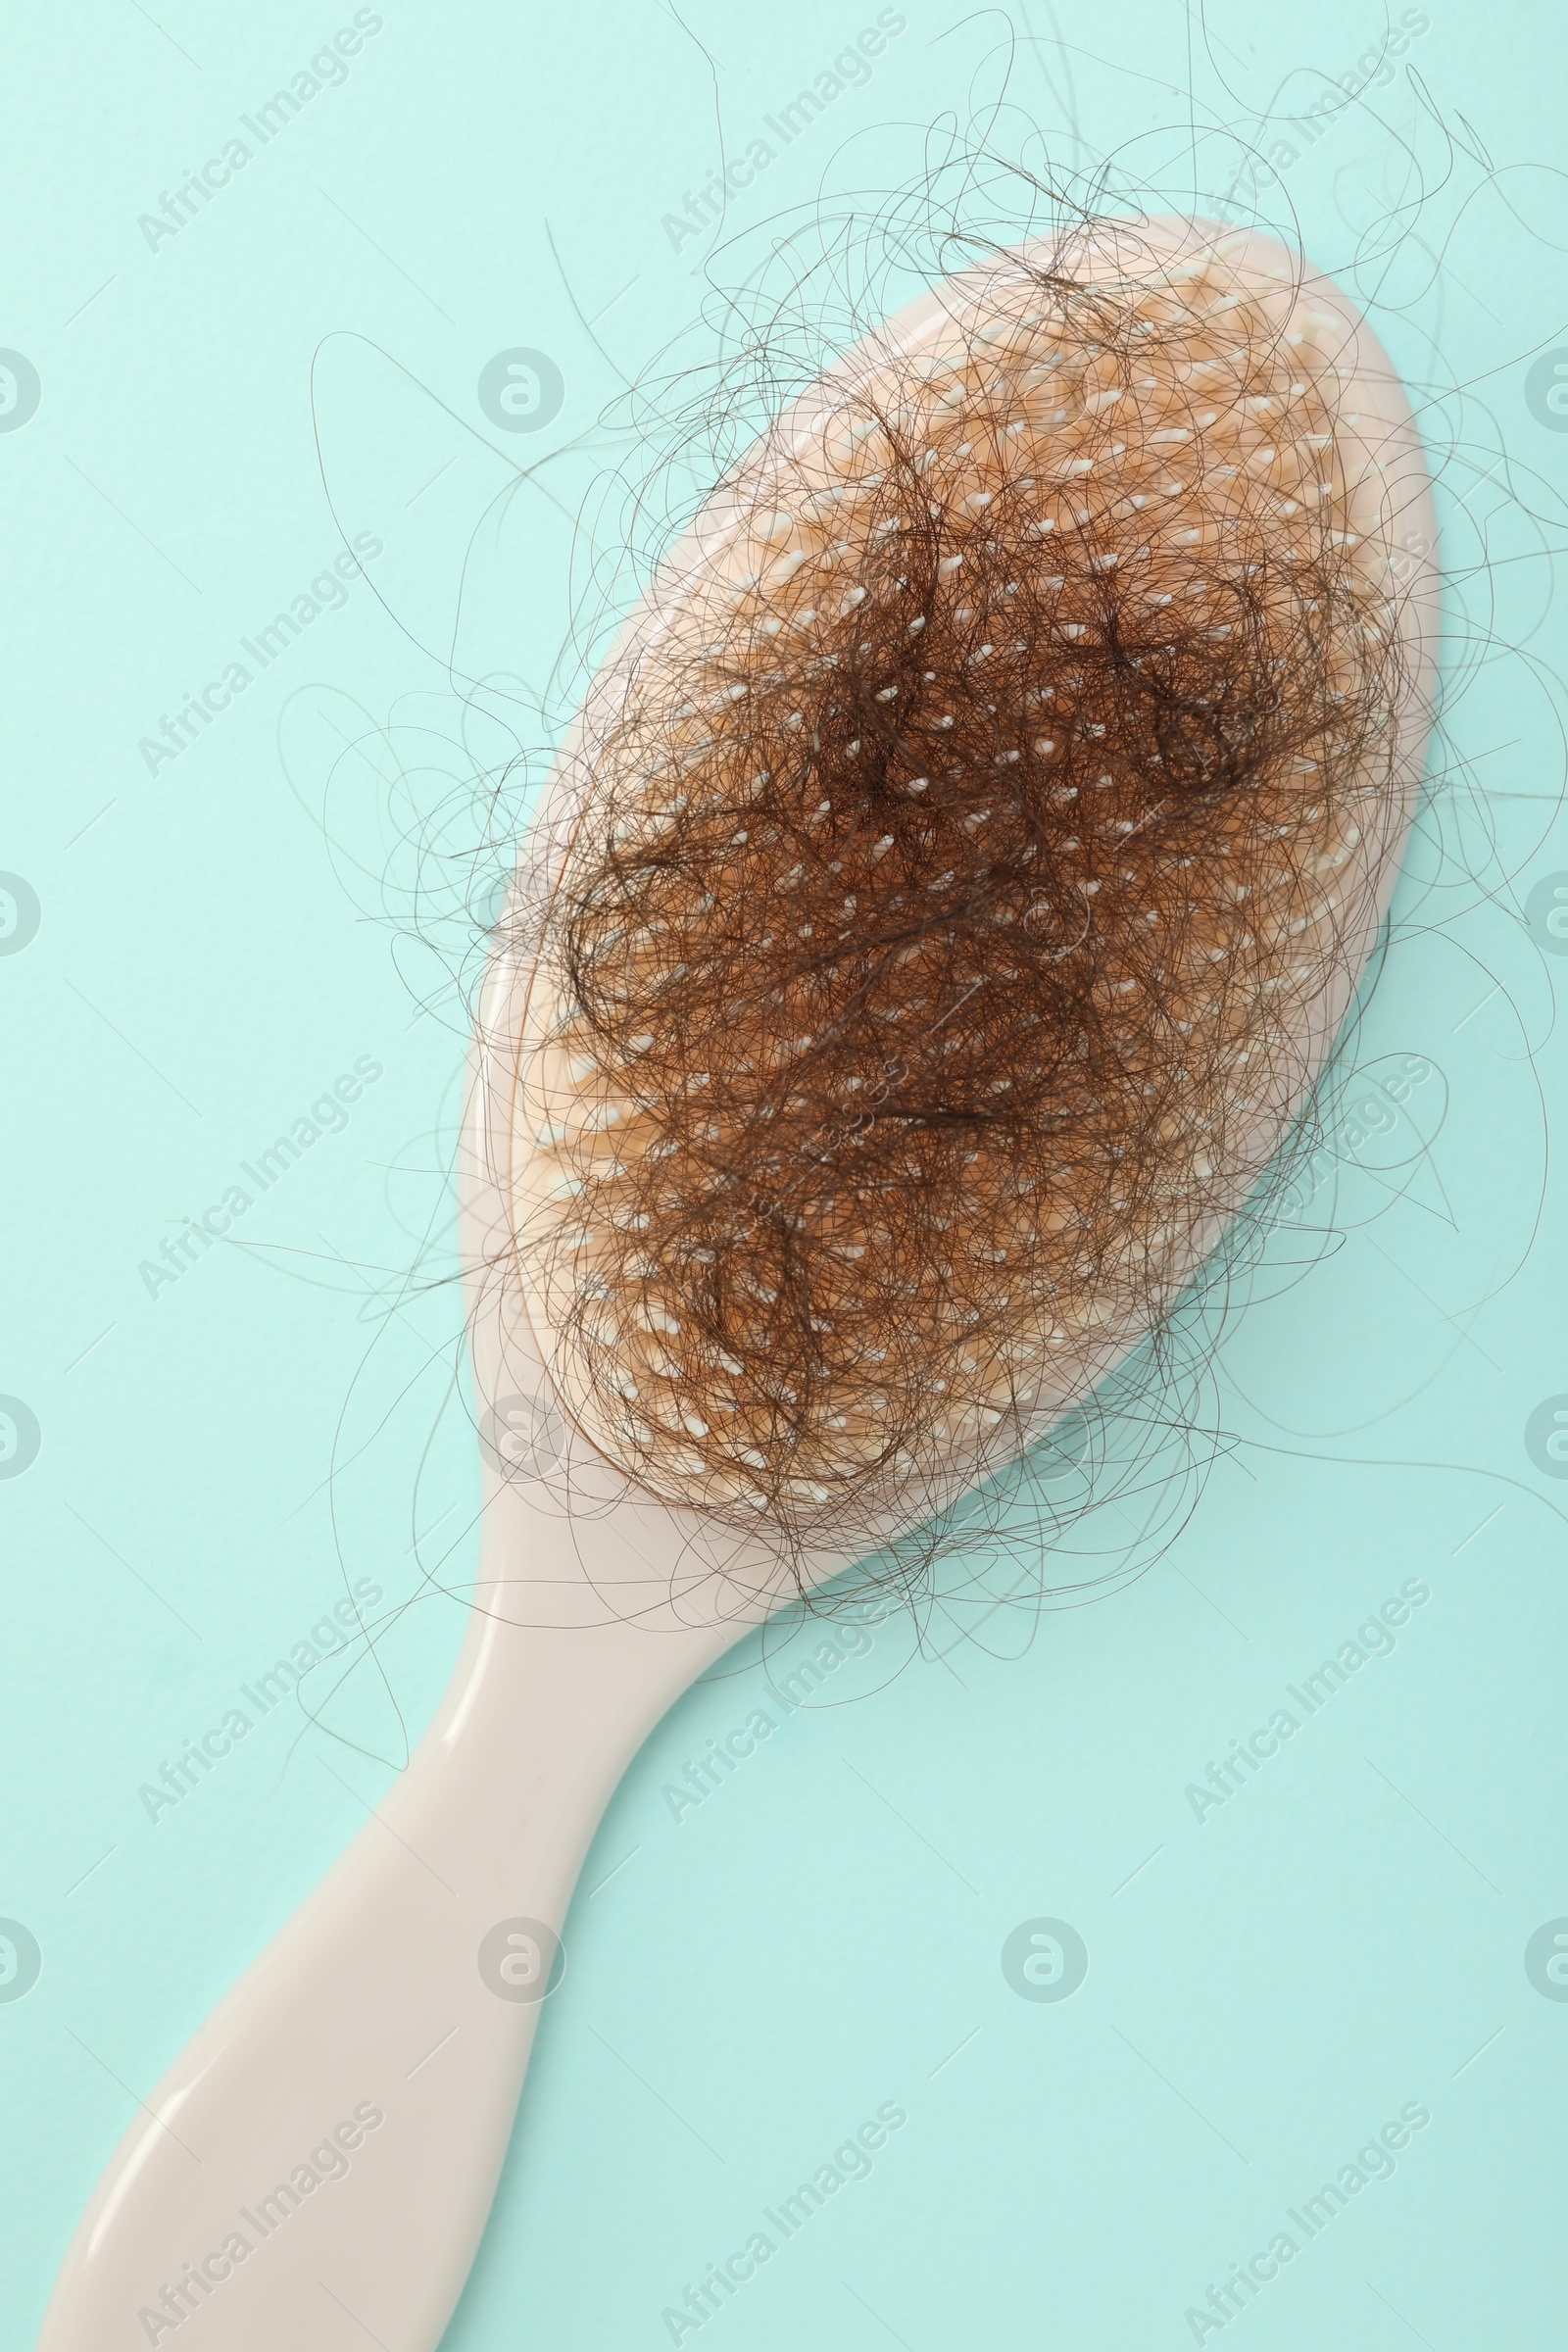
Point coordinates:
[(1266, 1987)]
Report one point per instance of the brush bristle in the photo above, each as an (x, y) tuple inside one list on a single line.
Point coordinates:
[(936, 955)]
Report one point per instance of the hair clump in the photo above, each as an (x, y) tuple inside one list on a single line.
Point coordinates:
[(953, 880)]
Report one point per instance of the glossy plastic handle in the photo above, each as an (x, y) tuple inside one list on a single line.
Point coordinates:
[(314, 2171)]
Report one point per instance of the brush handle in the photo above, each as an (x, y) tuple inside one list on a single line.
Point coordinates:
[(314, 2170)]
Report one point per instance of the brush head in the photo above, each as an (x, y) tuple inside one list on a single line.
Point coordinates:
[(960, 869)]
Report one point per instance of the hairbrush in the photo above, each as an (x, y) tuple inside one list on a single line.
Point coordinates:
[(941, 909)]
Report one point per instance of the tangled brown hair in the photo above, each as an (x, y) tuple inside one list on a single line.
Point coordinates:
[(970, 851)]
